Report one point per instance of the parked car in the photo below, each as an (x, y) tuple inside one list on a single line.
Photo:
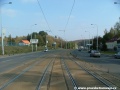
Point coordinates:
[(46, 50), (95, 53), (117, 55), (79, 49), (89, 51)]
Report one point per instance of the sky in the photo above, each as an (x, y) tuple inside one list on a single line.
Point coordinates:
[(20, 17)]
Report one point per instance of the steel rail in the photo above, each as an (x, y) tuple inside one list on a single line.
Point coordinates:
[(70, 76), (13, 79), (64, 76), (43, 75), (106, 84), (22, 72), (48, 85)]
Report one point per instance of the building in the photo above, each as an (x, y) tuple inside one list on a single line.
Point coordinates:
[(112, 43), (24, 43)]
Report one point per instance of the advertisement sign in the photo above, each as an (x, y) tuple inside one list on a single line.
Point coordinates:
[(33, 41)]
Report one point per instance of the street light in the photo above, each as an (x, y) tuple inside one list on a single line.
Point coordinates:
[(46, 38), (97, 34), (116, 3), (64, 34), (89, 38), (1, 26), (31, 37), (83, 41)]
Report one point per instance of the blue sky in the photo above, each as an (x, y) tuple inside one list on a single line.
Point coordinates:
[(19, 18)]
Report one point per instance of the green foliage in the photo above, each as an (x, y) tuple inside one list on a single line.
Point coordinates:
[(104, 47), (41, 40), (70, 45), (42, 33), (113, 32)]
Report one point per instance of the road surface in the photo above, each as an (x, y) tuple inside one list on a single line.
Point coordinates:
[(52, 70)]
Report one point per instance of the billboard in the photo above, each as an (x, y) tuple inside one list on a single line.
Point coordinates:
[(33, 41)]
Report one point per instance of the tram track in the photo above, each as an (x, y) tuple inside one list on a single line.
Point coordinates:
[(94, 73), (51, 63), (58, 71), (101, 82), (69, 74), (11, 84), (111, 79)]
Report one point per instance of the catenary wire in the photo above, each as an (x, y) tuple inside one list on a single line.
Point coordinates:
[(44, 16), (69, 15)]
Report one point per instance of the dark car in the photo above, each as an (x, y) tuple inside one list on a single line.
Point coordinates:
[(79, 49), (117, 55), (89, 51), (95, 53)]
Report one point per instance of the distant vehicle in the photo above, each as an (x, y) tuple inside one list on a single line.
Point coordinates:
[(89, 51), (117, 55), (46, 50), (95, 53), (79, 49)]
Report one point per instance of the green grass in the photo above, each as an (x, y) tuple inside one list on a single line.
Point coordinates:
[(108, 52), (9, 50)]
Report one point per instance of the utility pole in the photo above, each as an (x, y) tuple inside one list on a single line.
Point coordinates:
[(2, 34)]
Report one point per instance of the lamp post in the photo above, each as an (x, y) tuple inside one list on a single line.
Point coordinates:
[(64, 34), (116, 3), (1, 26), (31, 37), (83, 41), (89, 39), (46, 38), (97, 33)]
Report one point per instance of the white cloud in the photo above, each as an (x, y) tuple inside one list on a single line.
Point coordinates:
[(28, 1), (9, 12)]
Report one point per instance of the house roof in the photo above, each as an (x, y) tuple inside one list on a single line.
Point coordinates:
[(115, 38), (25, 41)]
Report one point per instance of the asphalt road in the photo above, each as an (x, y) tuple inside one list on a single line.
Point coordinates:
[(54, 70), (103, 59), (10, 62), (7, 63), (108, 62)]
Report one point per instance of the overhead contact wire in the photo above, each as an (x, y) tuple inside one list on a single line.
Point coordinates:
[(44, 16), (69, 15)]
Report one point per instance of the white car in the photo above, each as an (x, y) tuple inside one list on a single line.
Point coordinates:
[(95, 53), (45, 50), (117, 55)]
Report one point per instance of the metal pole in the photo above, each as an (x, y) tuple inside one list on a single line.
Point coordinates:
[(89, 40), (97, 34), (31, 38), (97, 37), (61, 43), (1, 31), (64, 38), (1, 27), (31, 42), (46, 41)]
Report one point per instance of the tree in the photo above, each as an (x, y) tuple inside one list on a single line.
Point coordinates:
[(40, 40), (112, 31), (42, 33), (10, 40), (28, 37)]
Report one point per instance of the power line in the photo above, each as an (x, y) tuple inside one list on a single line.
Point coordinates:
[(69, 15), (44, 16)]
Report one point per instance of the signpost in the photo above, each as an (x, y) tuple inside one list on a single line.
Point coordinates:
[(34, 41)]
